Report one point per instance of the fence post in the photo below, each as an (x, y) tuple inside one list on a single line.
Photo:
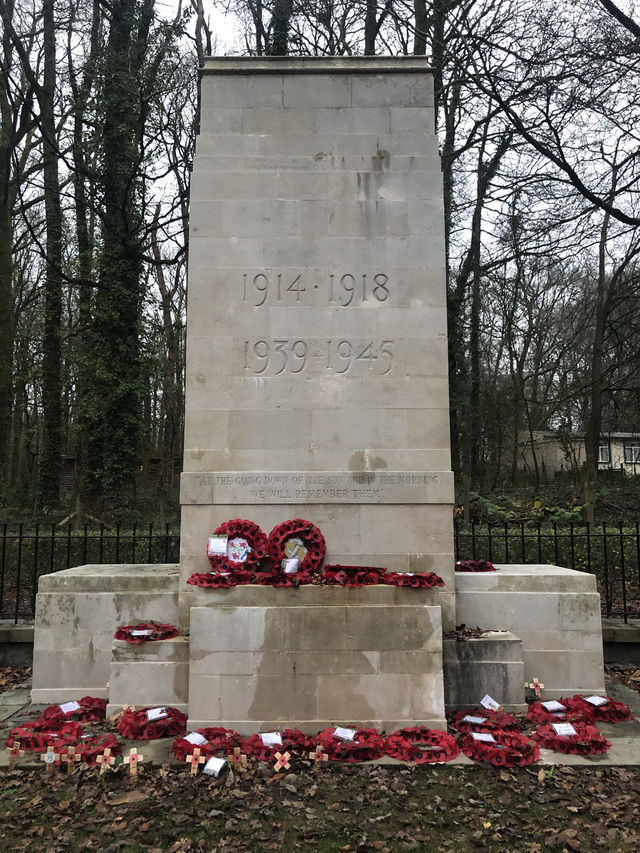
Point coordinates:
[(622, 571), (36, 552), (18, 574)]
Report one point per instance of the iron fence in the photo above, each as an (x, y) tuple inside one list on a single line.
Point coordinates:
[(610, 552), (28, 552)]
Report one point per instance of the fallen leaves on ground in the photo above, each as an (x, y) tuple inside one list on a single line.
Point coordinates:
[(13, 676), (339, 807)]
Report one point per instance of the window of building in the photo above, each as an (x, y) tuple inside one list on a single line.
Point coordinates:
[(632, 451), (604, 453)]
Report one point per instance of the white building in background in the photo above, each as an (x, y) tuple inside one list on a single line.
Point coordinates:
[(618, 451)]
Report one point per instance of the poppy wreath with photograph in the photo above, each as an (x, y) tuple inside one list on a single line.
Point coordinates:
[(421, 745), (137, 725), (144, 632), (508, 749), (246, 547), (297, 539), (587, 740)]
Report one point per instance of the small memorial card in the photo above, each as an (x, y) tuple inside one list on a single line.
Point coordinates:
[(475, 720), (483, 736), (213, 766), (154, 714), (195, 738), (271, 738), (553, 705), (217, 546), (344, 734), (564, 729), (596, 700), (291, 565), (70, 707), (489, 703), (142, 632)]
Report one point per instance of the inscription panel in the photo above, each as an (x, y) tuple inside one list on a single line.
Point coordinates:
[(336, 289), (355, 357), (317, 487)]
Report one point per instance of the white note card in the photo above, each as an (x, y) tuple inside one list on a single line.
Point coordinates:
[(195, 738), (291, 565), (70, 707), (564, 729), (156, 714), (142, 632), (483, 736), (596, 700), (213, 766), (476, 720), (217, 546), (553, 705), (344, 734), (271, 738), (489, 703)]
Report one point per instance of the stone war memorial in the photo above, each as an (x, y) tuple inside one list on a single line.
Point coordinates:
[(317, 389)]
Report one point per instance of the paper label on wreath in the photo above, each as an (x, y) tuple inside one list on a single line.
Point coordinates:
[(596, 700), (214, 765), (489, 703), (70, 707), (271, 738), (486, 737), (238, 550), (344, 734), (217, 546), (295, 547), (156, 714), (553, 705), (564, 729), (476, 720), (142, 632), (196, 738), (290, 565)]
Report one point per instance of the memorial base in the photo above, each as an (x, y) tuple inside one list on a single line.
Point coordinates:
[(264, 658)]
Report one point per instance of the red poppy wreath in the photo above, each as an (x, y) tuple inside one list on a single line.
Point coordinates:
[(297, 539), (421, 745), (151, 723), (246, 546)]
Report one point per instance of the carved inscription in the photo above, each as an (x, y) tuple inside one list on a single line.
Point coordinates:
[(274, 357), (329, 486), (340, 289)]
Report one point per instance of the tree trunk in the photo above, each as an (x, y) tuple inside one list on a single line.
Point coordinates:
[(50, 459)]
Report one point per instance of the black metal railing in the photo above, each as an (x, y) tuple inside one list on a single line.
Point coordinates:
[(610, 552), (27, 552)]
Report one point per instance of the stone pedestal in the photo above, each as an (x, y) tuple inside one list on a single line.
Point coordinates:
[(150, 673), (77, 613), (264, 659), (490, 664), (316, 379), (554, 611)]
